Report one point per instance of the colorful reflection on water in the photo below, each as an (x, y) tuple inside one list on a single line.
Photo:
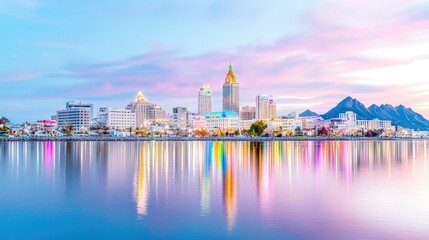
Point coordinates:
[(295, 190)]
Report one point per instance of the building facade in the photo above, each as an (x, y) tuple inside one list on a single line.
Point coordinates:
[(116, 118), (204, 100), (222, 120), (78, 115), (197, 122), (248, 113), (374, 124), (349, 116), (231, 93), (80, 104), (181, 117), (265, 107), (145, 112)]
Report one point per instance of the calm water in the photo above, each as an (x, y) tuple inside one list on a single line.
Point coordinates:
[(215, 190)]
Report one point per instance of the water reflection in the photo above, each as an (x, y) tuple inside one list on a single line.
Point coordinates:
[(142, 183), (285, 185)]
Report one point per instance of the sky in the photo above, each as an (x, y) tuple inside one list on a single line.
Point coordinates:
[(308, 54)]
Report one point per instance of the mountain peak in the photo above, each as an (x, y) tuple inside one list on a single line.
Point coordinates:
[(373, 106), (308, 113), (349, 104)]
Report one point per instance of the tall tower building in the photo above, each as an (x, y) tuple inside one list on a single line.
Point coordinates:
[(204, 100), (145, 111), (231, 92), (265, 107)]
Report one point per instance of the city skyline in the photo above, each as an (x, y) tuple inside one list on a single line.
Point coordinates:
[(307, 55)]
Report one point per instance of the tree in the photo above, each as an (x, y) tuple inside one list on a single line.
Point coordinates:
[(4, 120), (219, 133), (105, 129), (68, 130), (4, 129), (322, 132), (201, 132), (257, 128), (141, 132), (371, 133), (298, 131)]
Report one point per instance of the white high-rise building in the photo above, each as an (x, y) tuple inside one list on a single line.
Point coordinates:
[(80, 104), (77, 114), (265, 107), (116, 118), (181, 117), (146, 112), (204, 100)]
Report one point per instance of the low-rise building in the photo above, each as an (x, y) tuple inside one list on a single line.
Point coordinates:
[(225, 120), (310, 123), (245, 124), (197, 122), (374, 124), (116, 118)]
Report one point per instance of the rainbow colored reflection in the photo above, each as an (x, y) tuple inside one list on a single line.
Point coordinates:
[(340, 189)]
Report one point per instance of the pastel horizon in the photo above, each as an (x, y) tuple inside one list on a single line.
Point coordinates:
[(310, 54)]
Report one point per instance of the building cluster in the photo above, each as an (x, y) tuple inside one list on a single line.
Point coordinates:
[(142, 116)]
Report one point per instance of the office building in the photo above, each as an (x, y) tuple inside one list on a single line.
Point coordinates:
[(146, 112), (265, 107), (77, 114), (222, 120), (204, 100), (116, 118), (248, 113), (231, 93), (374, 124), (181, 117)]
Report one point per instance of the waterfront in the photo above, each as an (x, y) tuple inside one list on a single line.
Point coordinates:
[(215, 190)]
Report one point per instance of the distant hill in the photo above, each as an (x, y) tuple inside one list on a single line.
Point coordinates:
[(399, 115), (308, 113), (350, 104)]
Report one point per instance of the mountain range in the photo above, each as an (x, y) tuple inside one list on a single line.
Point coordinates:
[(399, 115)]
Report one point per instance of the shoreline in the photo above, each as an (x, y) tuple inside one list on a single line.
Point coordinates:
[(198, 139)]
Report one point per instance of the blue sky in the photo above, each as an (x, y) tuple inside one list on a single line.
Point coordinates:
[(106, 51)]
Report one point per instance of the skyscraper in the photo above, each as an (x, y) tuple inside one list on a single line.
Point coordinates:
[(204, 100), (265, 107), (231, 92)]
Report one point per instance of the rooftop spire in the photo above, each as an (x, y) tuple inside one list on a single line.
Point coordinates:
[(230, 76), (140, 97)]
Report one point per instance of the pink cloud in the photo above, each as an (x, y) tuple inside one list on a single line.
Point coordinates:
[(310, 64)]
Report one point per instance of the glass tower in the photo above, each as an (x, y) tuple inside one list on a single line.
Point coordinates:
[(231, 92)]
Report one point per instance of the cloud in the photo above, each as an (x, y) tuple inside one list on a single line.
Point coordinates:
[(340, 55), (371, 51)]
